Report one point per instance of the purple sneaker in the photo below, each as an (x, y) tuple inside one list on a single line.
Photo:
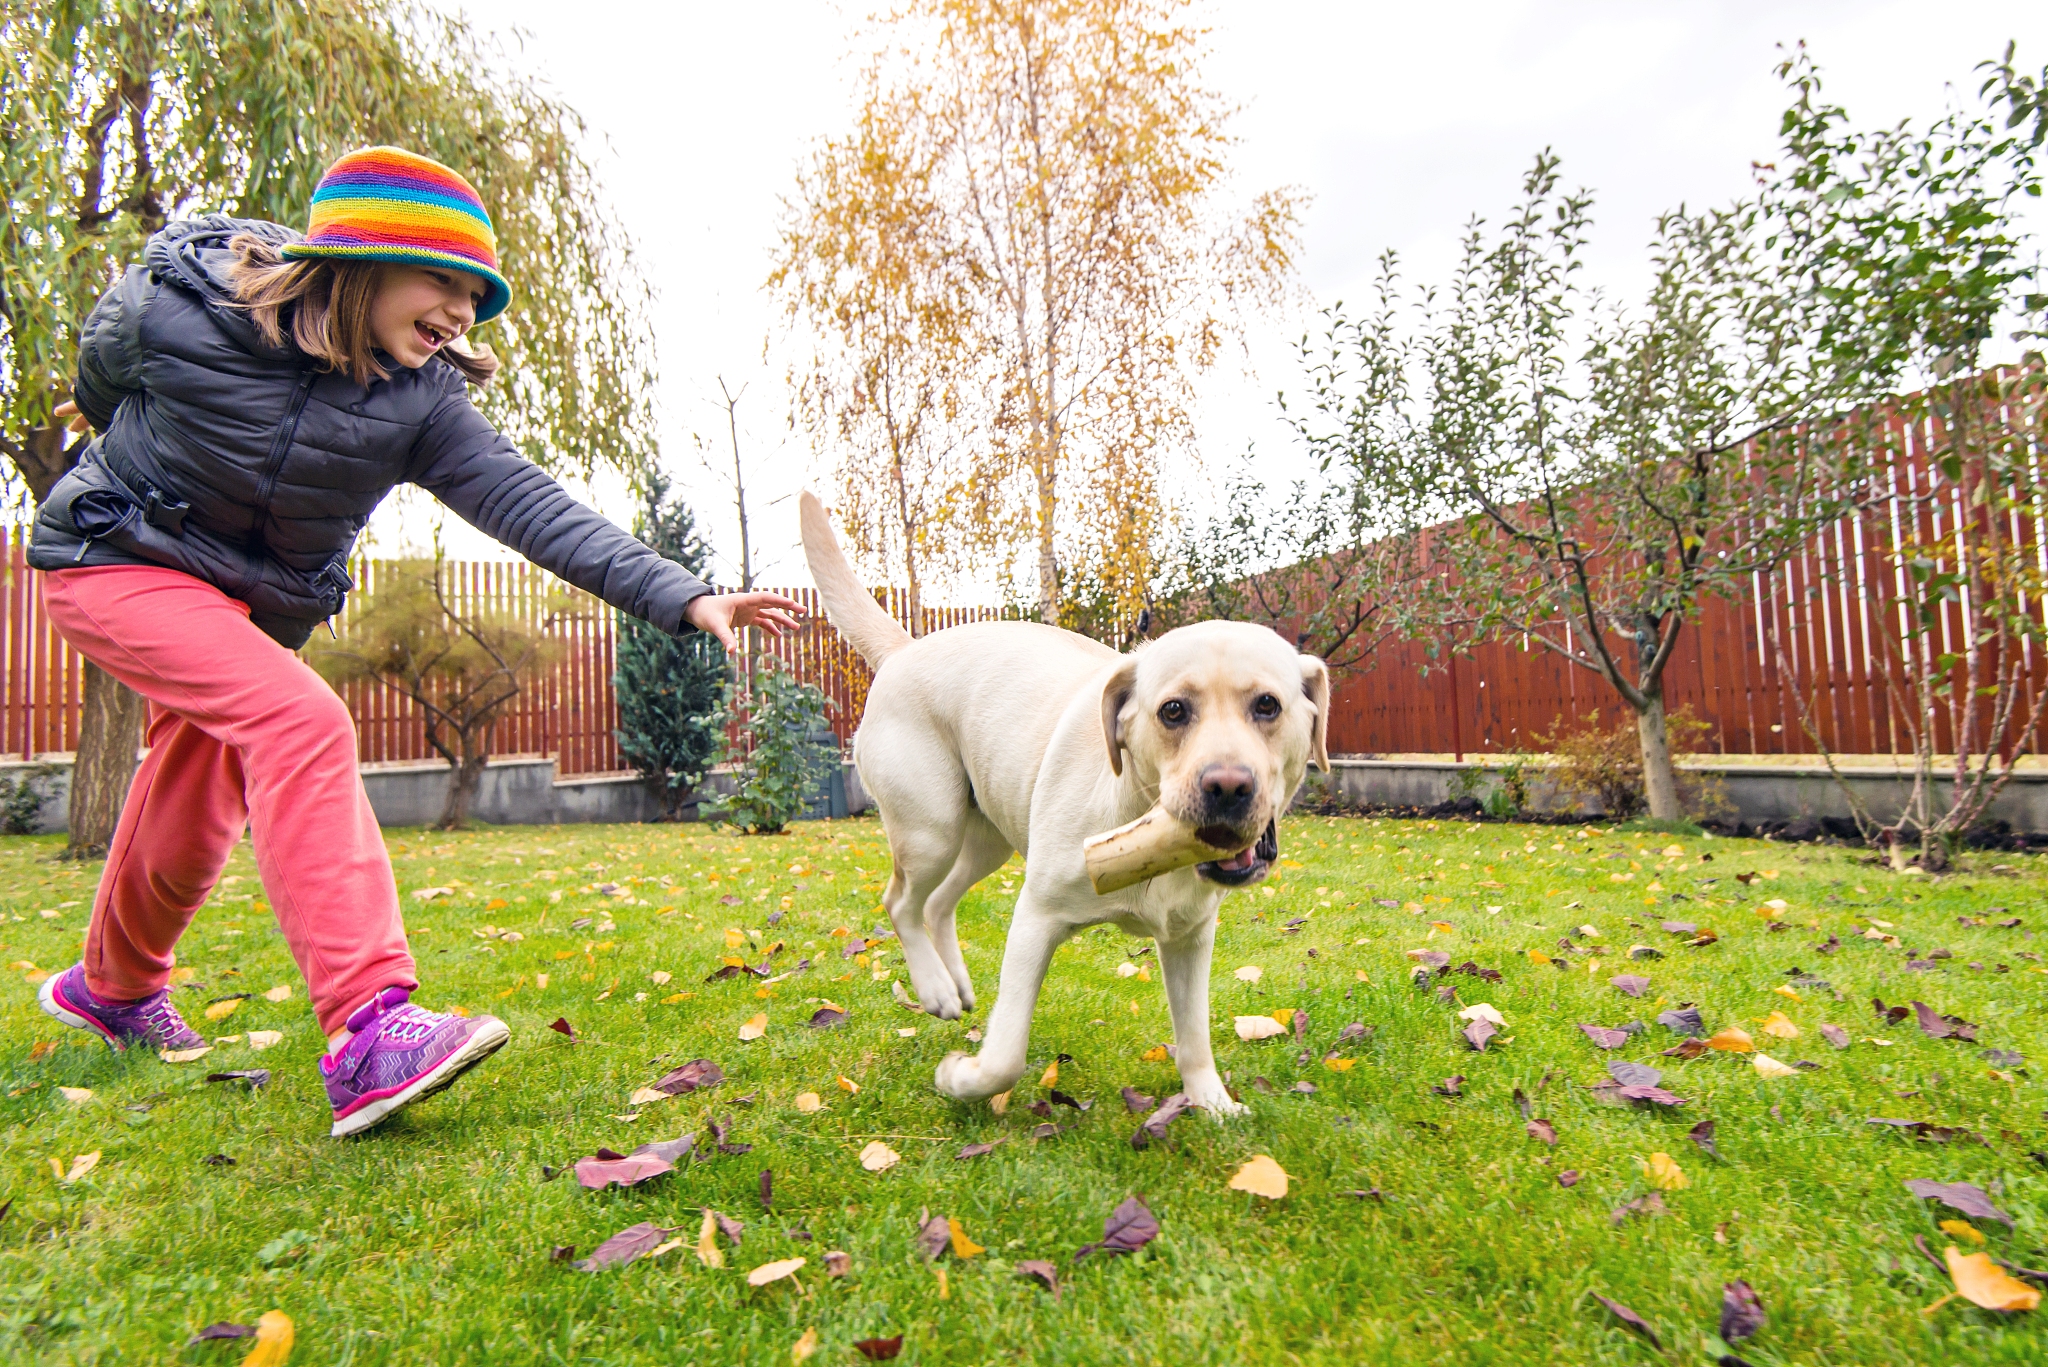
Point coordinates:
[(400, 1053), (151, 1021)]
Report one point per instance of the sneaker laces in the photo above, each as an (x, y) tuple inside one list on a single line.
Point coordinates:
[(165, 1024)]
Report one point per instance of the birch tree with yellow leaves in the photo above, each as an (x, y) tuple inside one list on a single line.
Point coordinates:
[(1048, 182)]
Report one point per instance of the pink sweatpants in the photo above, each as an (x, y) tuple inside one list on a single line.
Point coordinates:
[(240, 731)]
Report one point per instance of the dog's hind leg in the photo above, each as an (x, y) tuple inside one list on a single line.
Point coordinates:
[(982, 851), (1033, 938), (924, 845), (1185, 965)]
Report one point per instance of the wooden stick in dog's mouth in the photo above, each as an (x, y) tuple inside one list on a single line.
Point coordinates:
[(1157, 842)]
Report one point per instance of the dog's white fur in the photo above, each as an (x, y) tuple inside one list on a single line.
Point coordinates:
[(1002, 736)]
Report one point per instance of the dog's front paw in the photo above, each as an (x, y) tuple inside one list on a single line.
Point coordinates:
[(1212, 1096), (962, 1077), (938, 995)]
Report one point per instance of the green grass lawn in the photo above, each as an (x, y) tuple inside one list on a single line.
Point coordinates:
[(430, 1240)]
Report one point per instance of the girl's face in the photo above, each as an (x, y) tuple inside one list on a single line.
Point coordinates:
[(420, 309)]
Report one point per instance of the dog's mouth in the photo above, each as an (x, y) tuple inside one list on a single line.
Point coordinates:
[(1248, 865)]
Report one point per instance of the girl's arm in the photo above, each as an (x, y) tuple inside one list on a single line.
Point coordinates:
[(110, 349), (472, 467)]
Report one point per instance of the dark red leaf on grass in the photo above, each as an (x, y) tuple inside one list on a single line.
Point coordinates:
[(1043, 1271), (253, 1077), (212, 1160), (1655, 1095), (1631, 984), (1681, 927), (824, 1018), (1689, 1048), (837, 1264), (1355, 1030), (1702, 1134), (222, 1330), (729, 1227), (1685, 1021), (1835, 1035), (1305, 1088), (1892, 1014), (2025, 1273), (561, 1253), (1060, 1098), (560, 1025), (1452, 1087), (698, 1072), (1154, 1126), (1129, 1228), (1971, 1200), (1049, 1131), (1730, 1360), (1742, 1311), (668, 1150), (1136, 1101), (977, 1150), (1522, 1103), (933, 1237), (767, 1188), (1479, 1032), (1629, 1318), (879, 1350), (1604, 1037), (1649, 1206), (1041, 1109), (854, 946), (623, 1247), (620, 1169), (1543, 1130), (1300, 1024), (1634, 1074), (729, 900), (1568, 1178)]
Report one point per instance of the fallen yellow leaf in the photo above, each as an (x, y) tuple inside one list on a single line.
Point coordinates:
[(1339, 1065), (809, 1102), (1538, 957), (1258, 1027), (1285, 1015), (775, 1271), (80, 1166), (1250, 973), (733, 939), (1261, 1176), (849, 1086), (220, 1011), (1964, 1230), (42, 1048), (806, 1344), (1445, 926), (184, 1055), (1766, 1066), (1983, 1282), (1733, 1040), (1051, 1076), (1784, 991), (879, 1157), (282, 992), (756, 1027), (1664, 1173), (274, 1335), (963, 1247), (1156, 1054), (999, 1103), (707, 1241), (263, 1039), (646, 1095), (78, 1096), (1779, 1026)]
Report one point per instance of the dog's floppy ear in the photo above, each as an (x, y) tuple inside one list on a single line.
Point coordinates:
[(1115, 694), (1315, 685)]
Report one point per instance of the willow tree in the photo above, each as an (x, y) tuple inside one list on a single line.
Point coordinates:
[(1068, 194), (118, 115)]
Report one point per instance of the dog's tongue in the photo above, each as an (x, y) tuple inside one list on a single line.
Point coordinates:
[(1241, 860)]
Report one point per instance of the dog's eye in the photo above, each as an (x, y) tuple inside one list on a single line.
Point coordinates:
[(1265, 707), (1174, 713)]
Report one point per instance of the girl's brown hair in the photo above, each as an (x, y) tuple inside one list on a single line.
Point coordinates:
[(326, 304)]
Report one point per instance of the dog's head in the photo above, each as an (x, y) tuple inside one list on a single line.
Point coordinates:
[(1223, 719)]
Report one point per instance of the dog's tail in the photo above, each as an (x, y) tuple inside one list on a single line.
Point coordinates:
[(859, 618)]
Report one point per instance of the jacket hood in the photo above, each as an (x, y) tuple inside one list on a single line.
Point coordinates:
[(194, 253)]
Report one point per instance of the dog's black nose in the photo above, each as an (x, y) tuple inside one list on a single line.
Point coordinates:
[(1227, 791)]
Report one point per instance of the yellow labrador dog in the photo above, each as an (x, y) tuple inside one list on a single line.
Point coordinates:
[(1002, 736)]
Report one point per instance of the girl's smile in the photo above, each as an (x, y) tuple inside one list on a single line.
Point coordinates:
[(420, 309)]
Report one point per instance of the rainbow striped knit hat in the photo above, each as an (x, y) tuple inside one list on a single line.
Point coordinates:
[(388, 204)]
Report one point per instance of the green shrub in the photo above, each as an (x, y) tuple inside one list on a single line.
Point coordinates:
[(780, 757), (669, 688)]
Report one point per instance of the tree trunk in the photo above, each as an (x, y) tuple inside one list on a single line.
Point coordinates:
[(109, 733), (111, 720), (1660, 780), (463, 781)]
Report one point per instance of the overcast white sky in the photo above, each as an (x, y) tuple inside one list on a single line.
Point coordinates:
[(1400, 120)]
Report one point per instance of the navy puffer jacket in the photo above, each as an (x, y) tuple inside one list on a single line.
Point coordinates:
[(248, 466)]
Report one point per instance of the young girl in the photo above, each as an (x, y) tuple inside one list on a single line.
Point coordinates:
[(256, 395)]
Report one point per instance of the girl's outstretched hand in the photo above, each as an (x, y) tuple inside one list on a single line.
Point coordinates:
[(725, 614)]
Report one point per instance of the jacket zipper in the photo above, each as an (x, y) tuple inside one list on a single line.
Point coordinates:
[(282, 444)]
